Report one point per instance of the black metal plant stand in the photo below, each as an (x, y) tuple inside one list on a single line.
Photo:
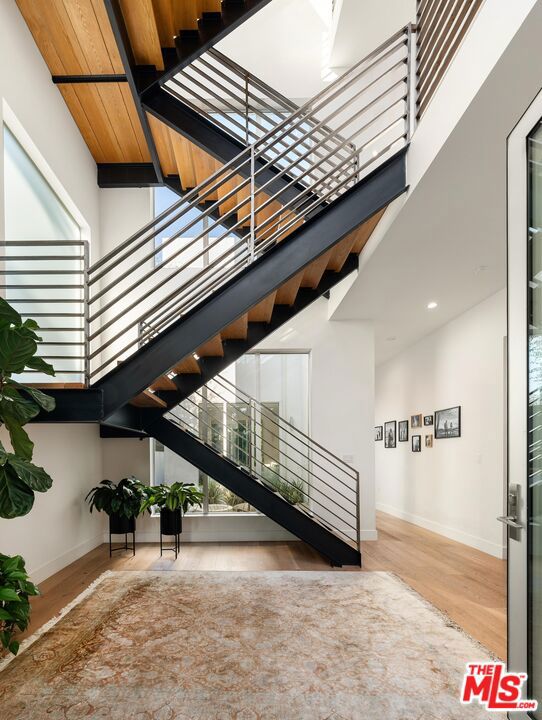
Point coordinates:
[(171, 524), (176, 544), (119, 525), (122, 547)]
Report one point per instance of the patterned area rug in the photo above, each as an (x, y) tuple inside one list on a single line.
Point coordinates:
[(243, 646)]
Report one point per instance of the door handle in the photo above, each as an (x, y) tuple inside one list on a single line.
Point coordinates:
[(511, 521)]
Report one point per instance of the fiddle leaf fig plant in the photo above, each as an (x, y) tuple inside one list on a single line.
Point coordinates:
[(15, 589), (19, 477)]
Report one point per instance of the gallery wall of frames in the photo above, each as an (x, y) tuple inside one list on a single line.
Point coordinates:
[(441, 425)]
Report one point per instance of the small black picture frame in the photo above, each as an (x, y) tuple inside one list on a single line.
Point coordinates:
[(427, 420), (448, 423), (379, 435), (403, 431), (390, 434), (416, 443)]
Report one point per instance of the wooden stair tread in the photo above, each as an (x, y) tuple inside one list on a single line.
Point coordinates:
[(212, 348), (340, 253), (187, 366), (237, 330), (287, 293), (263, 311), (163, 383), (314, 272), (364, 231), (148, 399)]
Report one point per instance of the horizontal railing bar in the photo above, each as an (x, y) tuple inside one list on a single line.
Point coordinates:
[(284, 479), (40, 272), (45, 301), (261, 408), (61, 343), (10, 286), (40, 314), (29, 258), (310, 106), (136, 322), (310, 188), (43, 243), (202, 213), (289, 148), (271, 240), (233, 388), (289, 457), (186, 199), (58, 371)]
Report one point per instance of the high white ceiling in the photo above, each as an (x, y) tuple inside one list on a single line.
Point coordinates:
[(284, 45), (448, 243), (359, 26)]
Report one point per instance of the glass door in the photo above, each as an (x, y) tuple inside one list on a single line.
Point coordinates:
[(523, 518)]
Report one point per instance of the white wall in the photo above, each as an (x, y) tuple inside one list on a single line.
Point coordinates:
[(455, 488), (59, 528), (341, 391)]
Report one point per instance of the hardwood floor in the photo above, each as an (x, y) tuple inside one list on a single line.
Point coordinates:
[(466, 584)]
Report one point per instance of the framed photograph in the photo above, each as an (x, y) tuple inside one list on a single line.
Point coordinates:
[(390, 434), (428, 441), (416, 421), (378, 433), (448, 423), (403, 430), (416, 443), (428, 420)]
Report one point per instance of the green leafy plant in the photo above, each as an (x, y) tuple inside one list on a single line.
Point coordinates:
[(292, 489), (172, 497), (15, 589), (215, 492), (19, 477), (124, 499)]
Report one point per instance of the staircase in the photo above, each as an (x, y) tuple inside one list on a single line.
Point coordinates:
[(271, 464), (291, 198)]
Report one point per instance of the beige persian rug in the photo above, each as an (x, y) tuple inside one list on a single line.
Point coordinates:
[(243, 646)]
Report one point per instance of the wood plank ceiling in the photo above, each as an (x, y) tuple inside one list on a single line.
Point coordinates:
[(75, 39)]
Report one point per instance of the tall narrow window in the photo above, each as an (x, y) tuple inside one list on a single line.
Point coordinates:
[(43, 267)]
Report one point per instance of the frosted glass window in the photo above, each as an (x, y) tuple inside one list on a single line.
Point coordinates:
[(33, 211)]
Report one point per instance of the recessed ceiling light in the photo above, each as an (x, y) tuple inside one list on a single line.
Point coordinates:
[(432, 305)]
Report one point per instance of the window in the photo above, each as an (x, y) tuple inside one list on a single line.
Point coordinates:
[(246, 433), (43, 263), (198, 246)]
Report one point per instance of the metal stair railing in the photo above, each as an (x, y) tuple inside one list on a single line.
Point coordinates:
[(47, 280), (274, 452), (245, 107), (171, 265)]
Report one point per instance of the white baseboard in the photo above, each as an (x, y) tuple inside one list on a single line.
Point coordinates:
[(368, 535), (211, 535), (479, 543), (45, 571)]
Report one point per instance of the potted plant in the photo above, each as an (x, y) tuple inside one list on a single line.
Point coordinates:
[(15, 589), (122, 502), (172, 500), (20, 479)]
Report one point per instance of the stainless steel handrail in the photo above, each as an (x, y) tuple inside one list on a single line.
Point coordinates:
[(196, 415), (25, 265), (167, 267)]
